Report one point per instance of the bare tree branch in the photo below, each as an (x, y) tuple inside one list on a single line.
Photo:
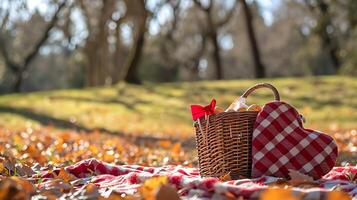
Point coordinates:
[(194, 60), (153, 14), (4, 52), (207, 8), (86, 15), (309, 6), (19, 68), (3, 43), (227, 17), (45, 35), (324, 20), (5, 20), (190, 63), (175, 11)]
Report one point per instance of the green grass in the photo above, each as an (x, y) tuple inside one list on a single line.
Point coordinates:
[(328, 103)]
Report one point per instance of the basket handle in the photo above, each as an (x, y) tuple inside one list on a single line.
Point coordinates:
[(262, 85)]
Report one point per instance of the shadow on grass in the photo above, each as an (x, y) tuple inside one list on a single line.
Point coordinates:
[(46, 120), (128, 105), (317, 103), (43, 119)]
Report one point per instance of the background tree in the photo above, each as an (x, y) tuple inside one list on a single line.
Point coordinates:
[(20, 67), (258, 65), (94, 43), (213, 26), (176, 53), (326, 30), (97, 16), (138, 11)]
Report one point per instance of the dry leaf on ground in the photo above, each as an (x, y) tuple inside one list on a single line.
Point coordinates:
[(297, 178), (278, 193)]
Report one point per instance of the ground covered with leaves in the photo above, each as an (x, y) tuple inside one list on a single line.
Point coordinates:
[(25, 153), (51, 130)]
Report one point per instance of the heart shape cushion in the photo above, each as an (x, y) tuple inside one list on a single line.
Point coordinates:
[(280, 142)]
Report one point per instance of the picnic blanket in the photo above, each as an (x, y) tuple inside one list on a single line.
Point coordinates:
[(128, 178)]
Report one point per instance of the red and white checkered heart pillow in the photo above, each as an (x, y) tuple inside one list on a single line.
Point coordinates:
[(281, 143)]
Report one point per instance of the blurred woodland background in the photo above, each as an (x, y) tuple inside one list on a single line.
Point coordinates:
[(50, 44)]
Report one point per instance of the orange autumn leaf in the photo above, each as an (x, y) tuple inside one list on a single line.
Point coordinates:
[(278, 193), (91, 191), (152, 186), (165, 143), (108, 158), (26, 186), (337, 195), (167, 192), (93, 149), (225, 177), (176, 149), (66, 136), (2, 168), (67, 177), (11, 189)]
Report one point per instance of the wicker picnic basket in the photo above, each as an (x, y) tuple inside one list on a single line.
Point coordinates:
[(224, 140)]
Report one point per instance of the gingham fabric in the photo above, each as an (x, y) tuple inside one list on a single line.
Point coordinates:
[(281, 143), (128, 178)]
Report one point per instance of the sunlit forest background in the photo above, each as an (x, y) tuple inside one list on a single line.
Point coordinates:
[(49, 44)]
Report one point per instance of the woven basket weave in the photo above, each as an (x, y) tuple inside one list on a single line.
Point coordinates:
[(224, 140)]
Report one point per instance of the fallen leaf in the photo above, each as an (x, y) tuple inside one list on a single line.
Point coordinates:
[(108, 158), (167, 192), (278, 193), (55, 186), (10, 189), (10, 166), (297, 178), (230, 196), (337, 195), (117, 196), (2, 168), (165, 143), (225, 177), (67, 177), (176, 149), (24, 170), (151, 186), (91, 191), (26, 186)]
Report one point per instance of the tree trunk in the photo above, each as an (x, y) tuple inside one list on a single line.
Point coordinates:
[(216, 55), (89, 50), (96, 47), (134, 58), (131, 67), (212, 34), (333, 51), (18, 82), (328, 41), (119, 53), (259, 67)]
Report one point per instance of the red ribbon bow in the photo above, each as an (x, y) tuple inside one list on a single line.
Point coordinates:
[(199, 111)]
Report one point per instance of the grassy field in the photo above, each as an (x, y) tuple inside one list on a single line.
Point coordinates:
[(328, 103)]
